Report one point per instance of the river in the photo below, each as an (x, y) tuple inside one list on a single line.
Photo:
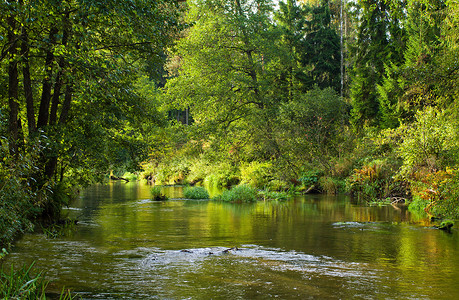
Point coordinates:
[(126, 246)]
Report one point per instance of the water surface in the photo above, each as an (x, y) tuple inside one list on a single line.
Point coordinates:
[(127, 246)]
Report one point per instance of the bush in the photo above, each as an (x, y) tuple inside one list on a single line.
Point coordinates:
[(439, 192), (429, 142), (270, 195), (417, 206), (156, 194), (196, 192), (256, 174), (279, 185), (239, 193), (310, 178), (18, 203), (200, 168), (373, 181), (331, 185), (222, 175)]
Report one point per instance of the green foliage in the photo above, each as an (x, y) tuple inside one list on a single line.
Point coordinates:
[(239, 193), (429, 142), (157, 194), (18, 203), (437, 193), (417, 206), (60, 228), (379, 42), (373, 181), (78, 77), (321, 48), (22, 284), (310, 127), (196, 192), (331, 185), (273, 195), (310, 178), (256, 174), (223, 174)]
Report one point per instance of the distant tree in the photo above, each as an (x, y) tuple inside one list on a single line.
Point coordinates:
[(321, 47), (379, 42)]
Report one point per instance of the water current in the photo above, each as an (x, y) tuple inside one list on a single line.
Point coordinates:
[(127, 246)]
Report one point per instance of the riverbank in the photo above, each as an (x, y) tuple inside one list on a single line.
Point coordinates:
[(128, 246), (377, 167)]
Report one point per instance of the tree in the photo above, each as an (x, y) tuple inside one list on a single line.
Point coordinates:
[(222, 73), (71, 68), (379, 42), (409, 85), (321, 47), (289, 72)]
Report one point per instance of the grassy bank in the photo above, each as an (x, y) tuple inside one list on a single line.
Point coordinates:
[(25, 283), (382, 166)]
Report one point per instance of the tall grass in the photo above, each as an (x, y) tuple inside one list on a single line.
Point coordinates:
[(156, 194), (22, 284), (239, 193), (196, 192)]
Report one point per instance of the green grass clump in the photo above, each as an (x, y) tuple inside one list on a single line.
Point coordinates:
[(21, 284), (196, 192), (156, 194), (239, 193), (273, 195)]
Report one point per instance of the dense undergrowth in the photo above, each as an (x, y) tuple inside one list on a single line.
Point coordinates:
[(413, 164), (23, 204)]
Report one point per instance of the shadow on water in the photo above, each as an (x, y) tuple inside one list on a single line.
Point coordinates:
[(127, 246)]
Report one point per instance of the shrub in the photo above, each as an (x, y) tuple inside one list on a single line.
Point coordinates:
[(239, 193), (428, 142), (271, 195), (256, 174), (196, 192), (199, 170), (439, 192), (278, 185), (310, 178), (331, 185), (18, 203), (222, 175), (417, 206), (373, 181), (156, 194)]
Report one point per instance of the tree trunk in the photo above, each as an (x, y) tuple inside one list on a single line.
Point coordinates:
[(59, 81), (27, 82), (43, 114), (13, 83), (66, 104)]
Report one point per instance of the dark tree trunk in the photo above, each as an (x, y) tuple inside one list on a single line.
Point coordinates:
[(66, 104), (27, 82), (59, 80), (13, 84), (43, 114)]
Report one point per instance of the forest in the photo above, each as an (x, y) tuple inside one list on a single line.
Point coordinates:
[(333, 96)]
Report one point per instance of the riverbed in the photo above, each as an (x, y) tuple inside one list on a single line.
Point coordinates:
[(127, 246)]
